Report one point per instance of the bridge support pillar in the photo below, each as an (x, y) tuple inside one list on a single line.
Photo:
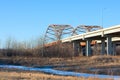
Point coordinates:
[(76, 48), (114, 48), (109, 45), (88, 47), (103, 46)]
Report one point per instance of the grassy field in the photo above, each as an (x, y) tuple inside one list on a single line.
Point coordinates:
[(13, 75), (76, 64)]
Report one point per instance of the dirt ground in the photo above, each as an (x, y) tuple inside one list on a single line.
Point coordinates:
[(77, 64)]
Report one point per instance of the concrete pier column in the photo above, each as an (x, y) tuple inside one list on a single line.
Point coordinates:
[(109, 45), (88, 47), (76, 48), (102, 46), (114, 48), (79, 48)]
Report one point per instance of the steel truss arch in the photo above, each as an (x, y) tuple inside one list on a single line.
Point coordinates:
[(85, 28), (56, 32)]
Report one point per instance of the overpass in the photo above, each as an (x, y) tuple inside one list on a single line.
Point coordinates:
[(107, 35)]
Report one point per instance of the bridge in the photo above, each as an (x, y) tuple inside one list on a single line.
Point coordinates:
[(102, 34), (107, 37)]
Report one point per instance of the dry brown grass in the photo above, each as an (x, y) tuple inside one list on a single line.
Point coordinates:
[(79, 61), (106, 60), (38, 76)]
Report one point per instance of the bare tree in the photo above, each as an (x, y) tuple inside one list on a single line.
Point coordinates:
[(9, 43)]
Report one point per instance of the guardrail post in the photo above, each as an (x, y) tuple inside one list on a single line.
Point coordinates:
[(109, 45), (103, 46), (88, 47)]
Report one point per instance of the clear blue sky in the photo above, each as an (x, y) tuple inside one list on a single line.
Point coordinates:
[(26, 19)]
